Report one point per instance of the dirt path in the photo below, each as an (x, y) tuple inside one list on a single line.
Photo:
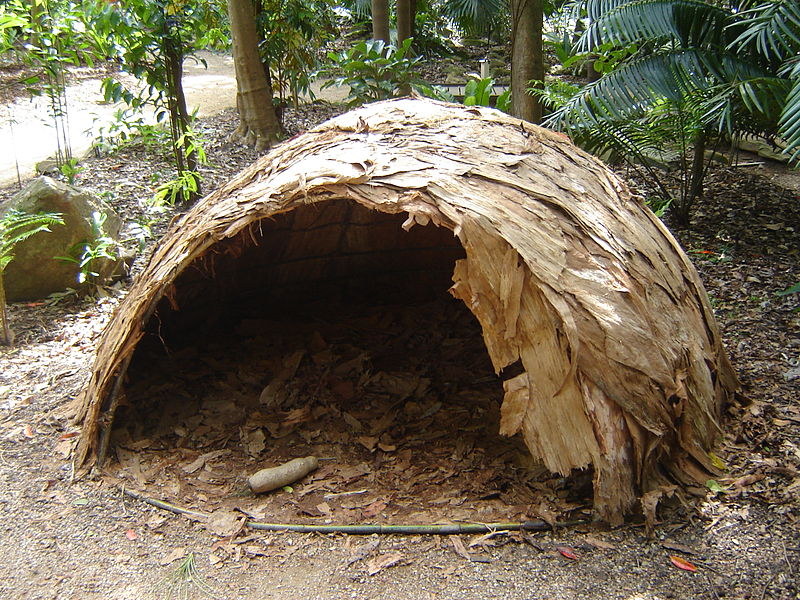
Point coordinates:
[(28, 131)]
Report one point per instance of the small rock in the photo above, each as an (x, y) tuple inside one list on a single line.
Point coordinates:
[(792, 374)]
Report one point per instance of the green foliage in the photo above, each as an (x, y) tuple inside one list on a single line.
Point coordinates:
[(179, 190), (70, 169), (184, 582), (479, 92), (89, 253), (476, 17), (433, 33), (685, 73), (47, 36), (293, 31), (795, 289), (375, 71), (151, 39), (15, 227), (129, 127)]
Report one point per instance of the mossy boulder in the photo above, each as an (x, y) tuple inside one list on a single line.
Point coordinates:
[(35, 272)]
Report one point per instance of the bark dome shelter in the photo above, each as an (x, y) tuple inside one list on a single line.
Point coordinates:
[(591, 313)]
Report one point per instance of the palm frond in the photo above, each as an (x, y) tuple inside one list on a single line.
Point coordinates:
[(690, 23), (633, 87), (771, 28), (480, 15), (790, 122)]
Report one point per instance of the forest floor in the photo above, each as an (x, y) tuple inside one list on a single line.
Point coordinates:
[(395, 456)]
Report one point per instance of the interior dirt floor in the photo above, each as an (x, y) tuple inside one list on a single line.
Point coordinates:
[(399, 403)]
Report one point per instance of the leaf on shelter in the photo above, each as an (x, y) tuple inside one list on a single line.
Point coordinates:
[(131, 534), (650, 502), (64, 448), (682, 564)]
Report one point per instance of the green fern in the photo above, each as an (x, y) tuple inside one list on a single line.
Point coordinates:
[(15, 227)]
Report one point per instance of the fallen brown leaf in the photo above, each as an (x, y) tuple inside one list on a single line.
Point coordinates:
[(458, 546), (676, 546), (374, 509), (379, 563), (176, 554), (223, 524), (598, 543)]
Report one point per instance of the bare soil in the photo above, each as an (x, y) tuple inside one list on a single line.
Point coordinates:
[(406, 425)]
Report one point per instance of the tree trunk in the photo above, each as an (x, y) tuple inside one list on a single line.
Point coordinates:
[(404, 22), (258, 124), (527, 61), (693, 188), (380, 20), (6, 336)]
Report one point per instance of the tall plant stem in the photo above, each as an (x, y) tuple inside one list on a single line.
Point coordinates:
[(176, 103), (6, 338)]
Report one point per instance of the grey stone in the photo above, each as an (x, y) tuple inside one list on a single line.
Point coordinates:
[(35, 273)]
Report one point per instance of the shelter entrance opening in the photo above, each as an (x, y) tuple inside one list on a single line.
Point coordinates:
[(326, 331)]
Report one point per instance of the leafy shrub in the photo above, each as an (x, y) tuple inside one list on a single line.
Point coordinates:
[(376, 71), (478, 92)]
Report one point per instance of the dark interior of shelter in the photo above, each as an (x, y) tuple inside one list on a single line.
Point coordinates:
[(327, 331)]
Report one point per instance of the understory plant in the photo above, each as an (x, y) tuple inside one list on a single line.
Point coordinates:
[(48, 36), (15, 227), (292, 32), (375, 70), (91, 252), (478, 92), (152, 39), (667, 144)]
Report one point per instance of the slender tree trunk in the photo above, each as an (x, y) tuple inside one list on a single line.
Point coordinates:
[(413, 17), (6, 336), (185, 158), (258, 124), (527, 61), (404, 22), (380, 20), (694, 185)]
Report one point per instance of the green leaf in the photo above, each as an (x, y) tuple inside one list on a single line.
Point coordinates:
[(795, 289)]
